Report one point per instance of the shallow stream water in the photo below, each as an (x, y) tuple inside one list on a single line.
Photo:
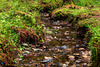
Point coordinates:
[(62, 47)]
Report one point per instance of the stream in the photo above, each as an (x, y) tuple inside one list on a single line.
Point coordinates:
[(62, 47)]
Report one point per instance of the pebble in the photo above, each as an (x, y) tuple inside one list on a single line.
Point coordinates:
[(64, 65), (24, 44), (69, 49), (68, 37), (77, 46), (67, 63), (71, 58), (24, 54), (78, 61), (37, 49), (48, 57), (27, 48), (63, 47), (47, 60), (85, 64), (20, 59), (81, 49), (76, 54), (27, 52), (66, 33)]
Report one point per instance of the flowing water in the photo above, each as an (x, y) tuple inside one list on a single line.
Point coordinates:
[(62, 47)]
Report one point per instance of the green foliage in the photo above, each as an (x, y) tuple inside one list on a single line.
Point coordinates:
[(14, 17), (87, 2)]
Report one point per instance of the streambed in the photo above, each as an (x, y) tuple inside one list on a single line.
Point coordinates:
[(62, 47)]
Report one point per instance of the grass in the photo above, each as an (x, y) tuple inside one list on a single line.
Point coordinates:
[(18, 25)]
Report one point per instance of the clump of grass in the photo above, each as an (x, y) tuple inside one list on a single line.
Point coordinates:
[(87, 2)]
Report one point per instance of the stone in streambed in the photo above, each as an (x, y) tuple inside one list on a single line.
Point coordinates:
[(77, 46), (27, 52), (63, 47), (71, 57), (78, 61), (81, 49), (64, 65), (47, 59), (24, 44), (66, 33), (20, 59)]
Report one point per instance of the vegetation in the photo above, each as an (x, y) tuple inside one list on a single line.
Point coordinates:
[(20, 23)]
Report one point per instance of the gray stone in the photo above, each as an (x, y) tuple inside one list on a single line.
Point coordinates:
[(24, 44), (68, 37), (63, 47), (20, 59), (27, 52), (78, 61), (77, 46), (81, 49), (64, 65)]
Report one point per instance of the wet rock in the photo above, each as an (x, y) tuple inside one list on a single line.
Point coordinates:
[(48, 57), (81, 49), (20, 59), (77, 46), (47, 60), (85, 64), (66, 33), (37, 49), (71, 57), (78, 61), (24, 44), (27, 52), (64, 65), (69, 49), (67, 63), (46, 15), (68, 37), (63, 47), (24, 54), (76, 54), (27, 48), (55, 37)]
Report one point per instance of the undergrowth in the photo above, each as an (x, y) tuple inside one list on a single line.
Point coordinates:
[(18, 25)]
